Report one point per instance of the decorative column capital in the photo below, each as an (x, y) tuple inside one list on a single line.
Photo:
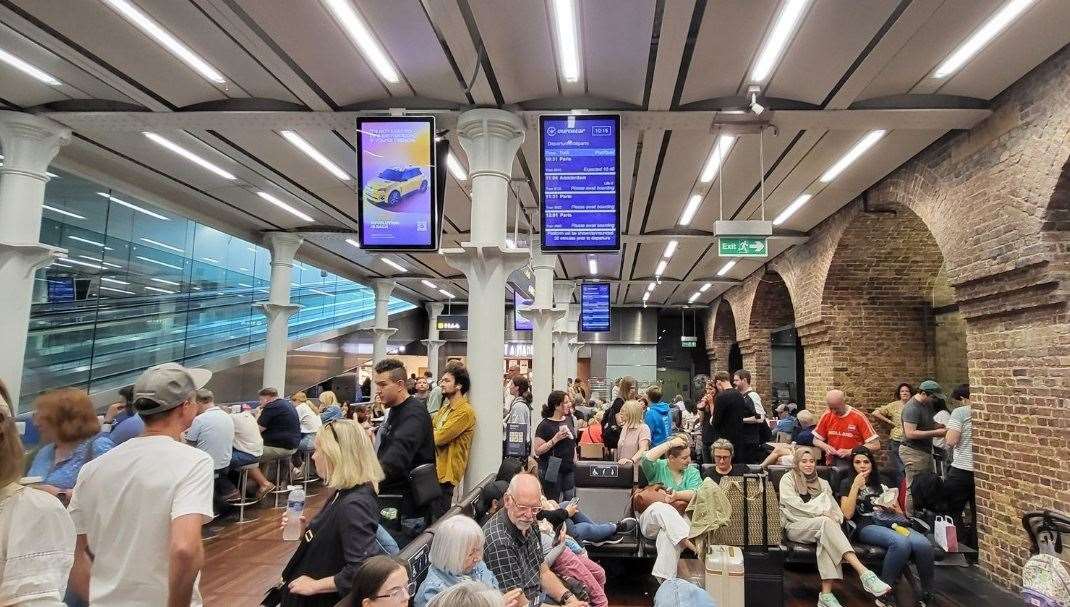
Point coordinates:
[(490, 138), (272, 310), (574, 346), (383, 331), (433, 344), (31, 257), (435, 308), (384, 288), (30, 143), (283, 246)]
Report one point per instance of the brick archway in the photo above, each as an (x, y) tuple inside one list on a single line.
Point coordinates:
[(771, 309), (721, 336)]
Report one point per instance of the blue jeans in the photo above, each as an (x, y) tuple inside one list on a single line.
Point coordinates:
[(900, 550), (583, 528), (897, 463), (386, 541)]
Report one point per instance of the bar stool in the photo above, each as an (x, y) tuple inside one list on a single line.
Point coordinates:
[(280, 487), (244, 500), (308, 472)]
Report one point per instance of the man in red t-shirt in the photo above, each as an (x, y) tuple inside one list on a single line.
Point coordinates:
[(841, 429)]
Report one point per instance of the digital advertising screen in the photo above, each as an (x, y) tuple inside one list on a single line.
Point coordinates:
[(594, 307), (396, 178), (580, 181), (60, 289), (521, 302)]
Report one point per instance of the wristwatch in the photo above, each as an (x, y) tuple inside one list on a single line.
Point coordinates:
[(565, 597)]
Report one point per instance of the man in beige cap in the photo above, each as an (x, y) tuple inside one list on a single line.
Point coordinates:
[(139, 507)]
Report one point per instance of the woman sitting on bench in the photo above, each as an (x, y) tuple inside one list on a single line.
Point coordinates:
[(457, 556), (811, 516), (661, 521), (875, 510)]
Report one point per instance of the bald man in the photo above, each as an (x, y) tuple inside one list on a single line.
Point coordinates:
[(841, 429), (513, 550)]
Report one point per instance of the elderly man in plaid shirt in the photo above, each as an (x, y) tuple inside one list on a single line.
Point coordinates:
[(513, 551)]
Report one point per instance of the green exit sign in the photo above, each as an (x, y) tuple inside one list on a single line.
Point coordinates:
[(733, 246), (688, 341)]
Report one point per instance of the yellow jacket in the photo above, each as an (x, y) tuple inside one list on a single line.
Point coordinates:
[(454, 425)]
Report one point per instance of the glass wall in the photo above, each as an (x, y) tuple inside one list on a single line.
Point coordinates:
[(142, 286)]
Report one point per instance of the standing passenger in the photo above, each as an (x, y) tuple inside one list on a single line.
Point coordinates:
[(405, 439), (892, 414), (454, 426), (658, 417), (752, 423), (555, 448), (919, 429)]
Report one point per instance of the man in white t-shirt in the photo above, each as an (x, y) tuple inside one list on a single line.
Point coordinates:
[(212, 431), (752, 443), (138, 509)]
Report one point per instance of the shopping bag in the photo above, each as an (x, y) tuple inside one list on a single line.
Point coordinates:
[(946, 534)]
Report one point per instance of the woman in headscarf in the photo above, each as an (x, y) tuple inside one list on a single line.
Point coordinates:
[(811, 516)]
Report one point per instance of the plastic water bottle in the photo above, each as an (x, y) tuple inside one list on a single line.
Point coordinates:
[(901, 530), (295, 505)]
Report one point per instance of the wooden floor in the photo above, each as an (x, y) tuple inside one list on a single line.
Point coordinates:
[(242, 561)]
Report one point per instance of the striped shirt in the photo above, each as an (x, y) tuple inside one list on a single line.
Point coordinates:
[(960, 422)]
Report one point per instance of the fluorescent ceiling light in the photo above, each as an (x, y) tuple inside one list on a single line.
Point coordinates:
[(852, 155), (393, 264), (82, 263), (102, 288), (510, 243), (90, 258), (716, 158), (318, 292), (240, 284), (111, 265), (166, 282), (790, 13), (362, 36), (62, 265), (160, 290), (670, 249), (159, 263), (160, 244), (306, 147), (455, 167), (282, 205), (646, 296), (446, 293), (92, 242), (209, 260), (794, 206), (133, 207), (531, 289), (114, 281), (690, 210), (650, 287), (26, 68), (429, 284), (244, 269), (592, 266), (173, 45), (568, 39), (62, 212), (661, 267), (190, 156), (693, 297), (705, 287), (726, 267), (991, 28), (352, 242)]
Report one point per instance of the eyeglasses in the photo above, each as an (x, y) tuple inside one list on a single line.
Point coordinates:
[(525, 509), (399, 593)]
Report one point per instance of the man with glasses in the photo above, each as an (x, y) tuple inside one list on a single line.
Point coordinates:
[(406, 438), (513, 550)]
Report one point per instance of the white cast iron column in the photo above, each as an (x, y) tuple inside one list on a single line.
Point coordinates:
[(542, 315), (278, 308), (432, 342), (381, 332), (490, 138), (563, 333), (30, 143)]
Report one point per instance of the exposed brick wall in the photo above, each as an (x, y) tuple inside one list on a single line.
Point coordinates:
[(996, 201), (721, 334), (771, 310)]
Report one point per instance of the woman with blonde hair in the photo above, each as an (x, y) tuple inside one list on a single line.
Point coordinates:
[(342, 536), (329, 408), (634, 433), (36, 533), (611, 424)]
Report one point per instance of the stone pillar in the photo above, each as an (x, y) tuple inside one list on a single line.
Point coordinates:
[(574, 357), (563, 332), (278, 309), (490, 138), (30, 143), (543, 315), (433, 343), (381, 332)]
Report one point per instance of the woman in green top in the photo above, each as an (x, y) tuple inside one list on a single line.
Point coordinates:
[(661, 521)]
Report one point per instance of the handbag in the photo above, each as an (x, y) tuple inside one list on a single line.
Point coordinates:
[(274, 595), (946, 534), (423, 482), (758, 506)]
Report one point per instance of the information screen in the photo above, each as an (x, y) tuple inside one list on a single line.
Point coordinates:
[(60, 289), (580, 183), (397, 184), (521, 303), (594, 307)]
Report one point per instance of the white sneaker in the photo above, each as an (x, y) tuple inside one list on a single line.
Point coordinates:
[(873, 584), (827, 599)]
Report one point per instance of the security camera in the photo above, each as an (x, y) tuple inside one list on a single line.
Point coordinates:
[(755, 107)]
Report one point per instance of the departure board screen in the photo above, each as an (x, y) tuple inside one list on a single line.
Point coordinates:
[(521, 303), (397, 183), (580, 181), (594, 307)]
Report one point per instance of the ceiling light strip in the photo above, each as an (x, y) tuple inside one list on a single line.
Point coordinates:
[(716, 158), (188, 155), (791, 12), (792, 208), (300, 143), (28, 69), (852, 155), (173, 45), (361, 35), (62, 212), (455, 167), (568, 39), (133, 207), (285, 207), (393, 264), (693, 204), (981, 37), (726, 267)]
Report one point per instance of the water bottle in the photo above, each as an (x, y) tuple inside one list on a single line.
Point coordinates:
[(901, 530), (295, 505)]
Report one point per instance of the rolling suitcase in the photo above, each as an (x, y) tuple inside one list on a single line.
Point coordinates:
[(724, 575), (763, 565)]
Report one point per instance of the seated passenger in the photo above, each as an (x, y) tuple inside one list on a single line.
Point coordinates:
[(329, 407), (786, 422), (247, 447), (783, 454), (661, 521), (476, 594), (811, 516), (565, 560), (514, 550), (583, 529), (842, 428), (281, 429), (344, 531), (456, 556), (382, 581), (37, 539), (723, 452), (309, 420), (634, 435), (212, 431), (874, 509), (125, 422), (71, 433)]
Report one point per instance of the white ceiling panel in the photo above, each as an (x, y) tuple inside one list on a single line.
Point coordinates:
[(520, 48), (729, 37), (613, 70)]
